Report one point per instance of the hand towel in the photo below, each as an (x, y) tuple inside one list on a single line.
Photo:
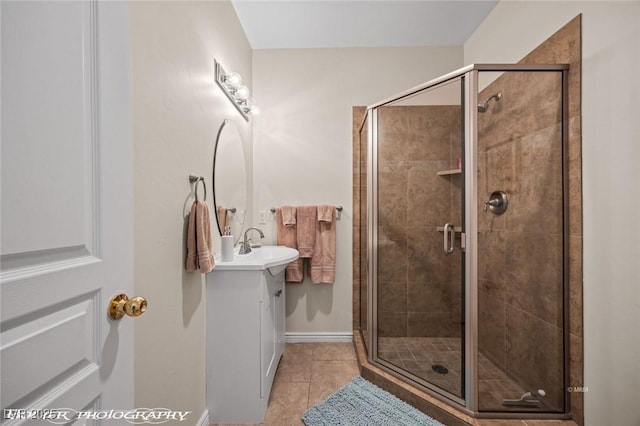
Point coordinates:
[(288, 215), (222, 218), (286, 236), (306, 218), (192, 251), (323, 262), (203, 238), (326, 213), (199, 248)]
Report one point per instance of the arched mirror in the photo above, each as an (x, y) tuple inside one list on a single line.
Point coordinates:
[(229, 180)]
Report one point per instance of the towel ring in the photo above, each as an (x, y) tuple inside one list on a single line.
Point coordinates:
[(198, 179)]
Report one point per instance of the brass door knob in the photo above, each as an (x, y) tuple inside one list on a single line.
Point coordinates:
[(121, 305)]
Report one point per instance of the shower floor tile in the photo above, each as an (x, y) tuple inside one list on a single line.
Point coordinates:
[(417, 355)]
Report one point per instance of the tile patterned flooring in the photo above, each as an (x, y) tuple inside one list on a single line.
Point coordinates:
[(310, 372), (417, 355), (307, 374)]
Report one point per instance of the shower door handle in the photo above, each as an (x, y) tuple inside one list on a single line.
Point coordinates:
[(449, 238)]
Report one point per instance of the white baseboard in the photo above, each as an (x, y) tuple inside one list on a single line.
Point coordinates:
[(311, 337), (204, 419)]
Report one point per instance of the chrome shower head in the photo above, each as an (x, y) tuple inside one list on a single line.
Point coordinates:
[(484, 105)]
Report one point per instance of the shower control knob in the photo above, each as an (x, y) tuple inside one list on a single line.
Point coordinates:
[(491, 203), (497, 203)]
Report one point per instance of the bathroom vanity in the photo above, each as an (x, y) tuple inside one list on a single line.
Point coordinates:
[(245, 323)]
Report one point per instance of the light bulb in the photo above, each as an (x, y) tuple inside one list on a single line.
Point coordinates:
[(254, 110), (242, 93), (234, 79)]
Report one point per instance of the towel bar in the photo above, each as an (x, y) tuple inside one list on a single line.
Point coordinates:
[(339, 208)]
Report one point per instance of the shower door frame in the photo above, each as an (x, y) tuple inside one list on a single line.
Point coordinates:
[(469, 75)]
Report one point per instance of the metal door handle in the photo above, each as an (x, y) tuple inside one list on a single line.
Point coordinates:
[(121, 305), (450, 242)]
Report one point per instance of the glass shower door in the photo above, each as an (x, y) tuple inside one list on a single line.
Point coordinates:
[(520, 246), (419, 275)]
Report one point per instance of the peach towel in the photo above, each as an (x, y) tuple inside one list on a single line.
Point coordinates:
[(323, 262), (199, 251), (286, 236), (288, 215), (326, 213), (222, 218), (306, 218)]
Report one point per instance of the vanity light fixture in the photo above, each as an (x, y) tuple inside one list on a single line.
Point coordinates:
[(231, 85)]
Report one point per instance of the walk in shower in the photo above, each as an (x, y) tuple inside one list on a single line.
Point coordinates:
[(464, 239)]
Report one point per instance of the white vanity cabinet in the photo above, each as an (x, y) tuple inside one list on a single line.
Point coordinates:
[(245, 340), (271, 329)]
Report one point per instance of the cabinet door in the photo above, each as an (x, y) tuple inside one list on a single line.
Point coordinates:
[(279, 312), (268, 360)]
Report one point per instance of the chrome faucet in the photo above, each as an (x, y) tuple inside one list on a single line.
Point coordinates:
[(245, 247)]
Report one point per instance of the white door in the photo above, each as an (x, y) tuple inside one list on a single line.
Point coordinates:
[(67, 208)]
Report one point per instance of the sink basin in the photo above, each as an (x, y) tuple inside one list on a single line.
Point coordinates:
[(276, 258)]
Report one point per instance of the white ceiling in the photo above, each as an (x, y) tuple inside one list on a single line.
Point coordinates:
[(280, 24)]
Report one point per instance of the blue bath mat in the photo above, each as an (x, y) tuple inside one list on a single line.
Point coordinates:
[(363, 403)]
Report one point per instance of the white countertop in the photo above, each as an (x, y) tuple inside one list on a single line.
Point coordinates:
[(259, 259)]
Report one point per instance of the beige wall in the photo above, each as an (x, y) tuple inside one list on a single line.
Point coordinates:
[(177, 110), (610, 137), (303, 146)]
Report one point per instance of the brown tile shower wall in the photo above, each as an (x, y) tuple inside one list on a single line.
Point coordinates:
[(565, 47), (417, 295), (520, 265), (359, 221), (520, 270)]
